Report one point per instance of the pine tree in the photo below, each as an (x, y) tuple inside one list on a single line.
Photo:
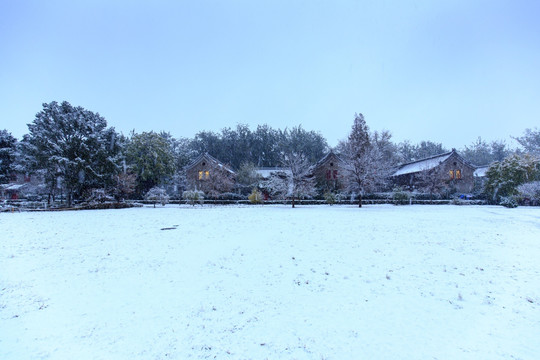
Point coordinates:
[(8, 148), (358, 157), (67, 142), (151, 158)]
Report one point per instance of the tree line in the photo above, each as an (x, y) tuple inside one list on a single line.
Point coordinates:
[(75, 151)]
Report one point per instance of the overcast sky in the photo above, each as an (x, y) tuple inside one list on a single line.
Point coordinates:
[(445, 71)]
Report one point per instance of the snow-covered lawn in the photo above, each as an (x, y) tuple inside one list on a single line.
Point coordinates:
[(381, 282)]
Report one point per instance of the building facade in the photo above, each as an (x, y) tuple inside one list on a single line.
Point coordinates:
[(330, 173), (208, 174), (453, 172)]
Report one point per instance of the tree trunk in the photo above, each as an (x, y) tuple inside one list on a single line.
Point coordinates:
[(293, 201), (359, 200)]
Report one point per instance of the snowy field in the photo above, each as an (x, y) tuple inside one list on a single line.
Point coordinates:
[(381, 282)]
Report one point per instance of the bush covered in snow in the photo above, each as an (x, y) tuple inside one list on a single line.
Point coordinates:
[(530, 192), (509, 202), (98, 196), (193, 196), (157, 194), (400, 196)]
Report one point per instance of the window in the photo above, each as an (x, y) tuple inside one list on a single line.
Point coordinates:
[(204, 175), (455, 174), (328, 174), (335, 174)]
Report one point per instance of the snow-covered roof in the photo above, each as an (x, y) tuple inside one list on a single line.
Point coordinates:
[(13, 187), (266, 172), (422, 164), (327, 157), (481, 171), (210, 159)]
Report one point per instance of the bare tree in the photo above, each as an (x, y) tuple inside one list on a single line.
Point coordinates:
[(295, 181), (125, 185), (432, 180), (301, 181), (220, 180), (277, 184)]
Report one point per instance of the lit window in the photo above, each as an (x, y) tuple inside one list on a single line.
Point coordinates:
[(207, 174), (200, 175), (451, 174), (458, 174)]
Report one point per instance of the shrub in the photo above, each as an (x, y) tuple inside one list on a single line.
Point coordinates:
[(509, 202), (99, 196), (400, 196), (530, 192), (330, 198), (157, 194), (255, 197), (193, 196)]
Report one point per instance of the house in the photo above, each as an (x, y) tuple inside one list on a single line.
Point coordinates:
[(208, 174), (450, 168), (330, 173), (18, 185)]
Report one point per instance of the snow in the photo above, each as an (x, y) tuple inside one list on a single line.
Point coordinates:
[(12, 186), (265, 173), (421, 165), (271, 282), (481, 171)]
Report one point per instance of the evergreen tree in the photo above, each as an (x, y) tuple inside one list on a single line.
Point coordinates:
[(151, 159), (8, 150), (246, 178), (505, 176), (67, 142), (265, 151), (424, 149), (358, 156)]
